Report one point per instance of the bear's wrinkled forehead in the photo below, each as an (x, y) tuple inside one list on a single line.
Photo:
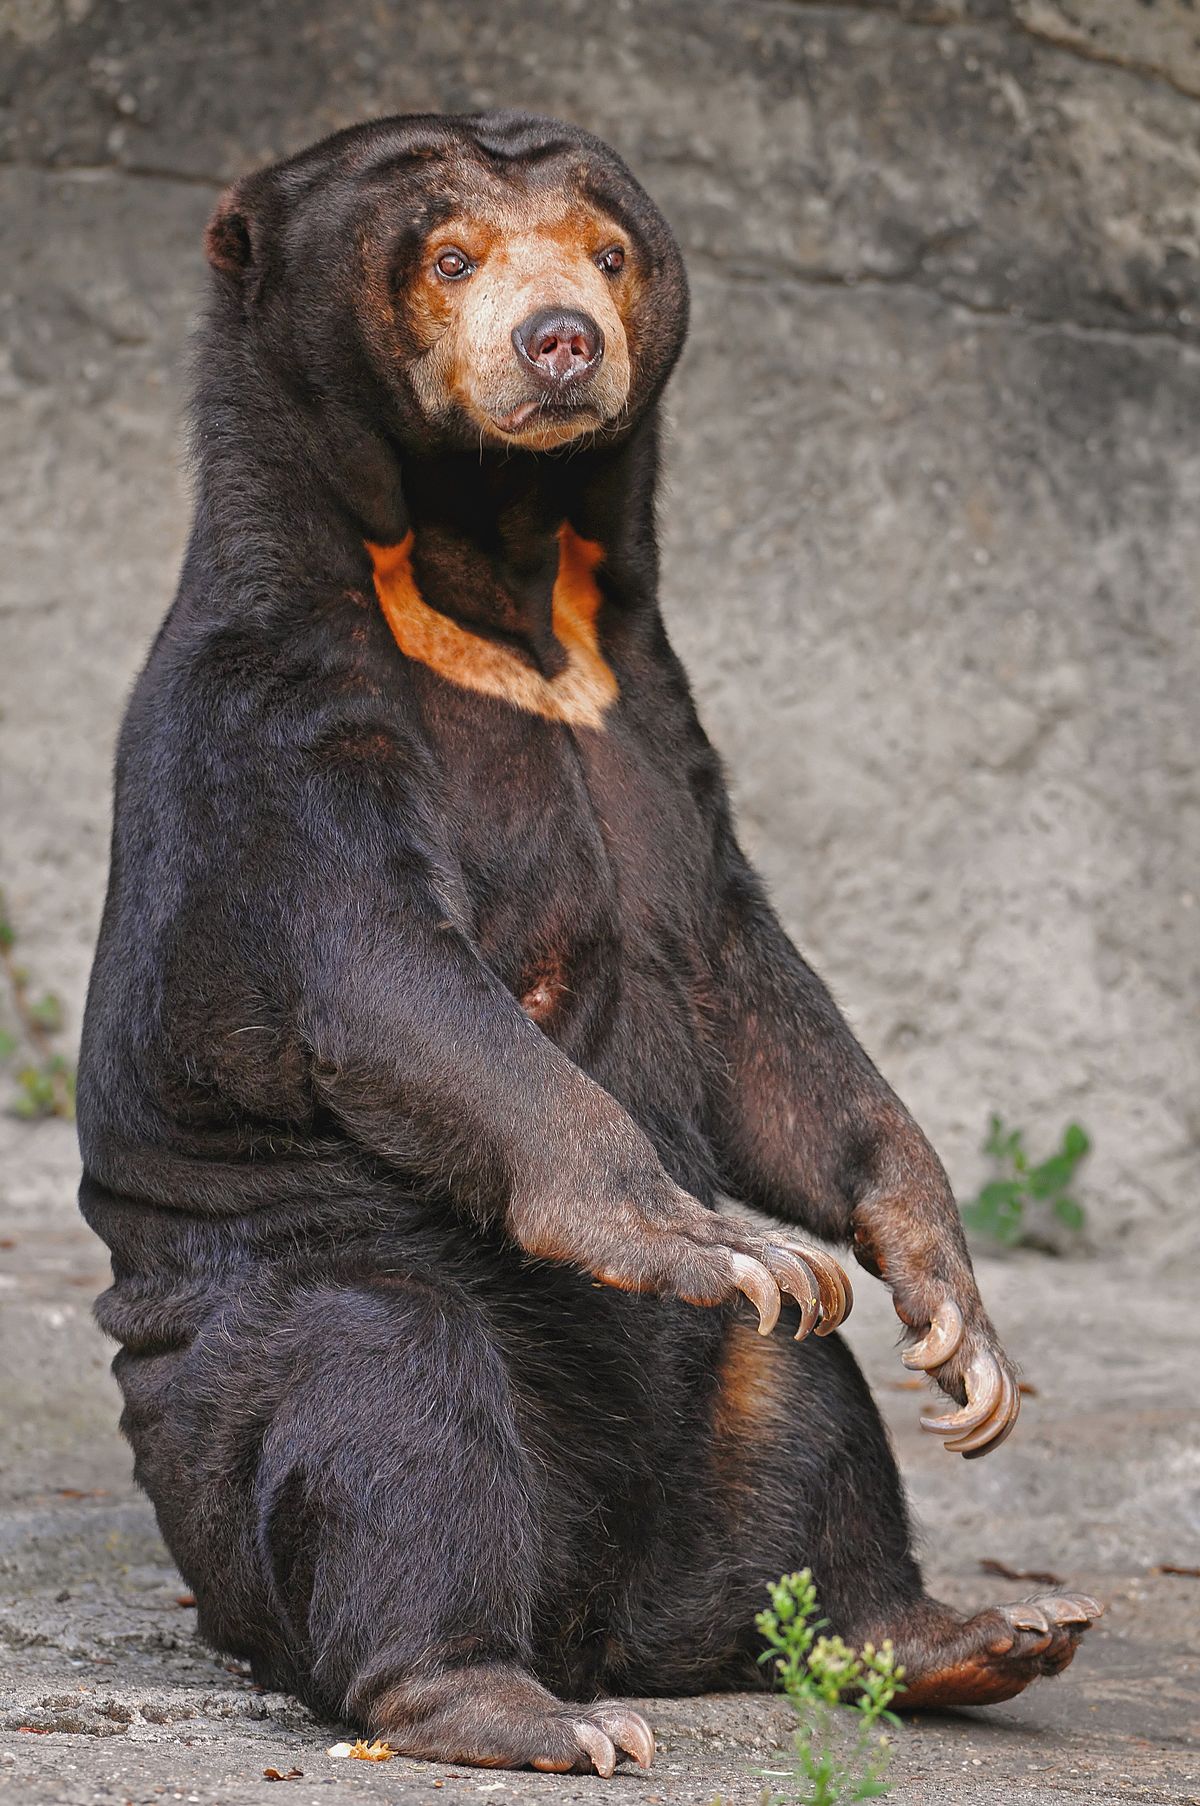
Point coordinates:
[(446, 176), (509, 201)]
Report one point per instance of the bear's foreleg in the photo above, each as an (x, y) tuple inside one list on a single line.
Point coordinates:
[(808, 1130), (431, 1064)]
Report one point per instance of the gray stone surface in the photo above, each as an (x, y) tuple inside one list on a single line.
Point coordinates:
[(932, 537), (932, 555)]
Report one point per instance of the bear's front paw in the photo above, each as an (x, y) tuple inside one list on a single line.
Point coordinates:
[(969, 1364), (709, 1259), (766, 1270)]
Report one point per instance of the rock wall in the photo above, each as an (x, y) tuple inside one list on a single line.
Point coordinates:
[(932, 534)]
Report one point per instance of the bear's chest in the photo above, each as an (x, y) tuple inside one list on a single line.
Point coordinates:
[(544, 816), (569, 805), (584, 855)]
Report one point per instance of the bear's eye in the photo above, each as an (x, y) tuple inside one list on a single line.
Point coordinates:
[(453, 264), (612, 260)]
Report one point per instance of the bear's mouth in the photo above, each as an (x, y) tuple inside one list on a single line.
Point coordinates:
[(544, 411)]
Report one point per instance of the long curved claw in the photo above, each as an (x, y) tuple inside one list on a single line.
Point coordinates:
[(985, 1390), (629, 1731), (755, 1283), (993, 1431), (842, 1279), (1028, 1615), (793, 1275), (836, 1295), (809, 1313), (940, 1341), (808, 1319), (1071, 1608), (598, 1746)]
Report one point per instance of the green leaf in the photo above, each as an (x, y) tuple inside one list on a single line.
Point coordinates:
[(1051, 1175), (1075, 1142), (8, 1044), (1005, 1146), (976, 1215), (1003, 1201), (1069, 1213), (997, 1211), (982, 1221)]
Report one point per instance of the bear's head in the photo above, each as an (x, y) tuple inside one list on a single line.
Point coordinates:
[(492, 280)]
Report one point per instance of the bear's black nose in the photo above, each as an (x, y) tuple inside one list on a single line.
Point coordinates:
[(559, 346)]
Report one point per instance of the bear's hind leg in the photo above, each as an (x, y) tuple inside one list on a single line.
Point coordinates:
[(790, 1468), (499, 1716), (359, 1445), (798, 1473), (951, 1660), (867, 1577)]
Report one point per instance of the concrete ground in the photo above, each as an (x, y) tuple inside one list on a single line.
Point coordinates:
[(106, 1696)]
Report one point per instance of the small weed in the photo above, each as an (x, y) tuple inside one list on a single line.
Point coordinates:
[(839, 1753), (44, 1080), (1022, 1203)]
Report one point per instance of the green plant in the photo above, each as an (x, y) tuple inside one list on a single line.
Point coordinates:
[(1021, 1203), (44, 1080), (840, 1755)]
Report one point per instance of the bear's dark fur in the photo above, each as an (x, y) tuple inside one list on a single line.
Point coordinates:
[(436, 1007)]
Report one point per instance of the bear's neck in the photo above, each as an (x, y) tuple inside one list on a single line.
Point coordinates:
[(486, 537), (485, 550)]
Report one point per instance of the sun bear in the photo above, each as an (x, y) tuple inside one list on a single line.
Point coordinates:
[(437, 1016)]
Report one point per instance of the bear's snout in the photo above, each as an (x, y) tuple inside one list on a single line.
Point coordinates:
[(559, 346)]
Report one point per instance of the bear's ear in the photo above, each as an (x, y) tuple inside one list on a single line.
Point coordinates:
[(234, 241)]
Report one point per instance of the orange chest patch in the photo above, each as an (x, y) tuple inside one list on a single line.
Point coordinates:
[(579, 694)]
